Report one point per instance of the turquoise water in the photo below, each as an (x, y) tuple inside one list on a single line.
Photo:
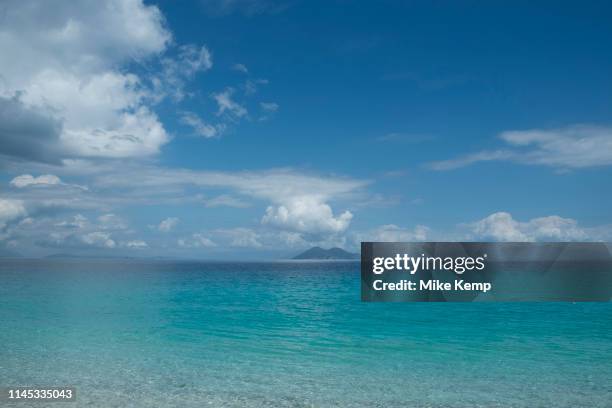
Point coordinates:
[(188, 334)]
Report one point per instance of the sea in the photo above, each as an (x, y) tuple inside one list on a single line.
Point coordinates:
[(136, 333)]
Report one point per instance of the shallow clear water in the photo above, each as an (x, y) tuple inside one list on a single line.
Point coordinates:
[(132, 333)]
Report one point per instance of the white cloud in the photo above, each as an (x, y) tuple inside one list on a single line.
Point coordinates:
[(200, 127), (68, 88), (136, 244), (77, 240), (225, 200), (98, 239), (306, 214), (240, 68), (133, 134), (573, 147), (501, 226), (194, 59), (471, 159), (62, 59), (274, 184), (299, 202), (175, 72), (292, 239), (168, 224), (227, 105), (89, 33), (11, 210), (110, 189), (240, 237), (26, 180), (53, 229), (77, 221), (196, 240), (111, 222)]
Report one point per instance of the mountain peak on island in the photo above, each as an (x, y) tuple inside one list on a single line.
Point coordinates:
[(332, 253)]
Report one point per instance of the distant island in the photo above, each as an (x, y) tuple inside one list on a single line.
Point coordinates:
[(332, 253)]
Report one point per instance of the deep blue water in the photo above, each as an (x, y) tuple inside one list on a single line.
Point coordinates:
[(135, 333)]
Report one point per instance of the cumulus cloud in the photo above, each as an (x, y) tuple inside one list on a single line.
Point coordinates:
[(306, 214), (68, 88), (292, 239), (196, 240), (299, 202), (26, 180), (98, 239), (109, 188), (91, 32), (109, 231), (240, 237), (61, 67), (51, 229), (301, 205), (11, 210), (573, 147), (77, 221), (168, 224), (501, 226), (44, 181), (27, 133), (136, 244)]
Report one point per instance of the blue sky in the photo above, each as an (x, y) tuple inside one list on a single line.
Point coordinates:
[(256, 129)]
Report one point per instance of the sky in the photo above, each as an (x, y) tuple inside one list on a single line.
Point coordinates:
[(255, 129)]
